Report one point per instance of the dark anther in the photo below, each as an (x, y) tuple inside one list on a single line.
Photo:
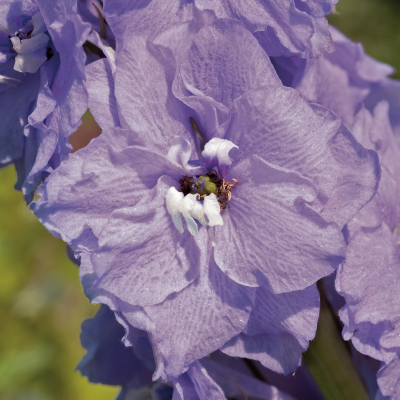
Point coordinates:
[(224, 187), (49, 53), (103, 30), (186, 184), (199, 137)]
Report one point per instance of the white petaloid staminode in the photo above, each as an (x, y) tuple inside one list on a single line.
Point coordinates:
[(216, 154), (31, 51), (191, 208)]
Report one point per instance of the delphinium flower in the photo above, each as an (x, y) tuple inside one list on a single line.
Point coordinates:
[(360, 92), (263, 204), (109, 362), (42, 94), (342, 80), (283, 28), (369, 280)]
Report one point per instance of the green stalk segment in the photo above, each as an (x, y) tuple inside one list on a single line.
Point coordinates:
[(329, 361)]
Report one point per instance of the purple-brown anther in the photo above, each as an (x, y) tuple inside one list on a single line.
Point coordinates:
[(209, 183)]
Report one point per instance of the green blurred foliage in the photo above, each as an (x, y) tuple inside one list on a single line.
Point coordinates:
[(41, 300), (42, 306), (374, 23)]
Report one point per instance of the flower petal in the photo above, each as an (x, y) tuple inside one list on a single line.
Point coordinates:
[(286, 322), (100, 87), (369, 281), (142, 87), (280, 126), (216, 155), (202, 317), (18, 94), (270, 235), (287, 30), (231, 381), (281, 353), (142, 258)]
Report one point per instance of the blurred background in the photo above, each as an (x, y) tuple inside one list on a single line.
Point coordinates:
[(41, 299)]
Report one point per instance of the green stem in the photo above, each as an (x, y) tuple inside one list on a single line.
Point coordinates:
[(329, 360)]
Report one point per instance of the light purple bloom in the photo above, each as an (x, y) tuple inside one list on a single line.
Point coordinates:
[(42, 94), (109, 362), (248, 285), (283, 28), (357, 88), (341, 80), (369, 280), (207, 379)]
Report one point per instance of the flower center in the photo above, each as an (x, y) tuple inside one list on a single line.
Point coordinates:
[(201, 197), (30, 45), (204, 185)]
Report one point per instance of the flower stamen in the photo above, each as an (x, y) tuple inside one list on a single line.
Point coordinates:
[(209, 183)]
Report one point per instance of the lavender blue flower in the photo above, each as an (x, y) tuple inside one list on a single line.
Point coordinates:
[(246, 286), (341, 80), (369, 279), (42, 94), (283, 28), (109, 362), (365, 98)]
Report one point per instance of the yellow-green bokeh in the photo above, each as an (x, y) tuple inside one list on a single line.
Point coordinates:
[(41, 308), (374, 23)]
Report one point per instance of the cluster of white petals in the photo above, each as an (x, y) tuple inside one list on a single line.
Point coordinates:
[(192, 208)]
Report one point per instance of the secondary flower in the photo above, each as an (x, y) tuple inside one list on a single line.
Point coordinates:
[(109, 362), (369, 280), (341, 80), (42, 95), (241, 277), (357, 88), (283, 28)]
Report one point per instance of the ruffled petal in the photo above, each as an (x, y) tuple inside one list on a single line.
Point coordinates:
[(196, 384), (18, 93), (369, 281), (100, 87), (321, 149), (270, 235), (287, 30), (80, 195), (201, 318), (68, 34), (281, 353), (389, 380), (107, 360), (279, 329), (142, 86), (142, 258), (216, 61), (231, 381)]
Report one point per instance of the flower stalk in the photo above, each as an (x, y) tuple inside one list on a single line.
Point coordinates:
[(329, 360)]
